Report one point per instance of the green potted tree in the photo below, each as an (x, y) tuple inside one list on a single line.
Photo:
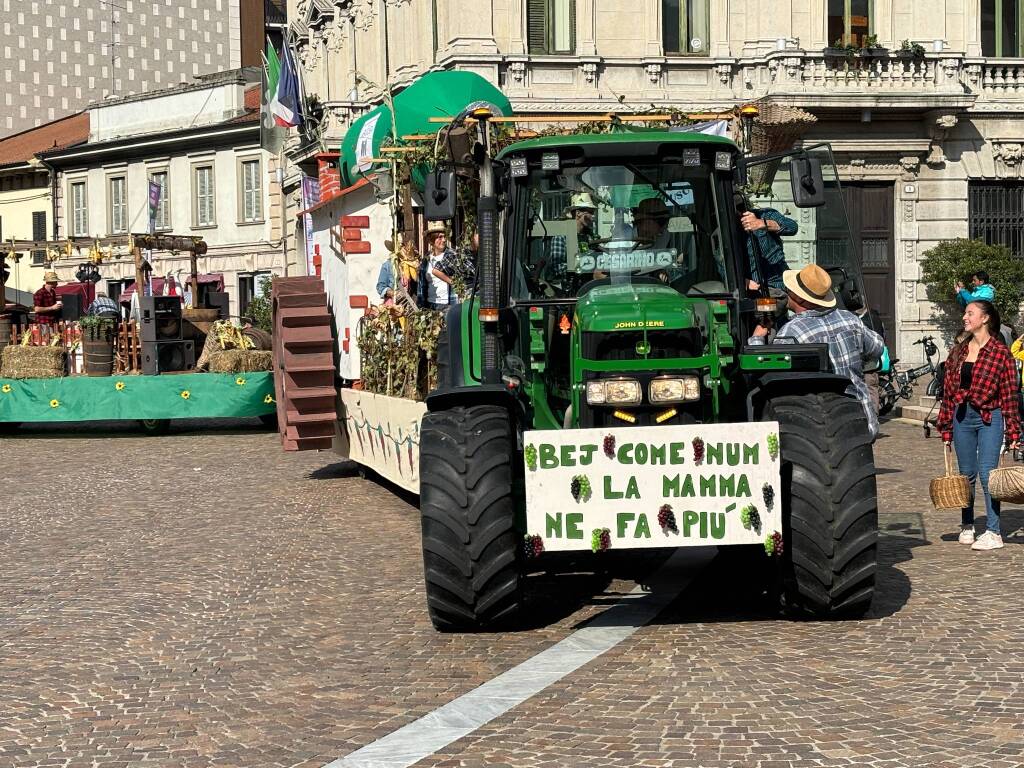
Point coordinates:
[(840, 52), (910, 51), (870, 49), (98, 344)]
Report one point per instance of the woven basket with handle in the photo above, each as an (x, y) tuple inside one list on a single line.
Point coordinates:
[(950, 491), (1006, 483)]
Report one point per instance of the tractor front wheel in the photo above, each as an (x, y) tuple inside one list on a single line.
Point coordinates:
[(829, 504), (468, 518)]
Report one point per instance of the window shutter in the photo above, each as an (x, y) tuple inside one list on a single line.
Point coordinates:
[(39, 225), (536, 26), (572, 26)]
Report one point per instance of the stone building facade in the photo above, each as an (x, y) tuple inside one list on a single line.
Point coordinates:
[(929, 148), (200, 144), (61, 55)]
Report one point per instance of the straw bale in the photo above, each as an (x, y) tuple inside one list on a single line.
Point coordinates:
[(241, 361), (32, 362)]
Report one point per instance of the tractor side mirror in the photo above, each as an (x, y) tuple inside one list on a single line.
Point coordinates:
[(806, 182), (439, 196)]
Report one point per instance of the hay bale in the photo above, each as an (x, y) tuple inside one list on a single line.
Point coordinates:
[(32, 362), (241, 361)]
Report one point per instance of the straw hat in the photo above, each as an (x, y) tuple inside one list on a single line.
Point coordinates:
[(436, 228), (50, 277), (390, 244), (582, 200), (812, 284)]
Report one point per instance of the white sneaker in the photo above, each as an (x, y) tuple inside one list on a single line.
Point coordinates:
[(988, 540), (966, 535)]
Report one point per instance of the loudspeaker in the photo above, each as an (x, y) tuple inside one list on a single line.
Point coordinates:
[(71, 306), (167, 356), (220, 301), (161, 318)]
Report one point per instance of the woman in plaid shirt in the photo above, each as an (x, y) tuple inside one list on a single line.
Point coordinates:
[(979, 411)]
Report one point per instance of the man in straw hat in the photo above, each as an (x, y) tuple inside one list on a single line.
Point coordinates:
[(47, 305), (817, 321), (435, 290)]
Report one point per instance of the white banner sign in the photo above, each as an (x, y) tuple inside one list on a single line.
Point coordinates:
[(364, 142), (633, 487)]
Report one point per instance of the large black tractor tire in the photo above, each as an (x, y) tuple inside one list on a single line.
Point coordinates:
[(470, 543), (829, 505)]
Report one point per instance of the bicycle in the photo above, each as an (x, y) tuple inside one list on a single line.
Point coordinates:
[(895, 385)]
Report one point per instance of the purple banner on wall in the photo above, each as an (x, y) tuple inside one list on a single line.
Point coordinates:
[(154, 203), (310, 197)]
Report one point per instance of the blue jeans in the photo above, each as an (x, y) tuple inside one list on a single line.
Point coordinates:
[(977, 447)]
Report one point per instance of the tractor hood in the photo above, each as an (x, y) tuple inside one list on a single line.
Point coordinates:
[(633, 307)]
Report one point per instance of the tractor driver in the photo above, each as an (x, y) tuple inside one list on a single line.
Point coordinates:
[(553, 268)]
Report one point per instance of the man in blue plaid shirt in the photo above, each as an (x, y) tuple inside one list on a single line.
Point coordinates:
[(851, 344)]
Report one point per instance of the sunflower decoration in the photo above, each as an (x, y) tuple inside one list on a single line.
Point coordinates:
[(55, 403), (5, 388), (268, 399), (240, 381), (119, 386), (185, 394)]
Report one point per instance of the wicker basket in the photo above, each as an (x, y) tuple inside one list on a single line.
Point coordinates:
[(1006, 483), (950, 491), (777, 127)]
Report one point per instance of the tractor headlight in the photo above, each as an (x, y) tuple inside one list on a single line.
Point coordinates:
[(679, 389), (613, 392)]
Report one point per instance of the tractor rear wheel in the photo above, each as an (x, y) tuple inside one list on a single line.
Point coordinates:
[(829, 505), (470, 544)]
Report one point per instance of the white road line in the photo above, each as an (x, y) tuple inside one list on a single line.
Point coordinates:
[(460, 717)]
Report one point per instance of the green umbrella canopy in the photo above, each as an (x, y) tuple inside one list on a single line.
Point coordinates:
[(435, 94)]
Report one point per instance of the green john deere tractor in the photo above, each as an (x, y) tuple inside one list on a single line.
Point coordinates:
[(599, 392)]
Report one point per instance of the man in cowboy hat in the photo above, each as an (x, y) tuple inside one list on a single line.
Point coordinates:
[(403, 257), (47, 305), (582, 209), (434, 286), (817, 321), (651, 217)]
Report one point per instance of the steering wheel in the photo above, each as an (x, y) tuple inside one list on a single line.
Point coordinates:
[(598, 245)]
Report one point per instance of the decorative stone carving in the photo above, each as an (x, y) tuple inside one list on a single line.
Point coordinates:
[(1009, 154), (517, 71), (910, 164), (724, 72), (939, 127), (336, 36), (653, 72), (908, 211), (973, 73), (589, 71)]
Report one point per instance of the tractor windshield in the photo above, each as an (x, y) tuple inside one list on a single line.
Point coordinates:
[(623, 223)]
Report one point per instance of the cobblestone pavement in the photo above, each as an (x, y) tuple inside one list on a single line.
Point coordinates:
[(205, 599)]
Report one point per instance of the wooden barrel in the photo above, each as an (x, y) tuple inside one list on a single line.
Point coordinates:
[(5, 331), (99, 357)]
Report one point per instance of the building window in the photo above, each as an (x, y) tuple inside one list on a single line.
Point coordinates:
[(684, 26), (117, 213), (996, 214), (162, 219), (38, 233), (115, 288), (250, 191), (551, 26), (849, 21), (1002, 28), (204, 204), (250, 286), (79, 210)]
